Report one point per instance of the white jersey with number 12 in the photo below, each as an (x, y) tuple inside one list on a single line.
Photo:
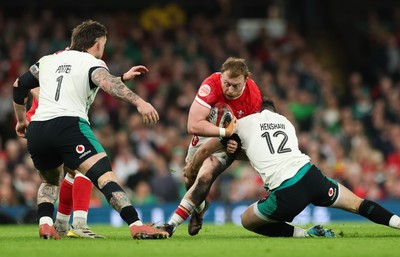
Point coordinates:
[(271, 145)]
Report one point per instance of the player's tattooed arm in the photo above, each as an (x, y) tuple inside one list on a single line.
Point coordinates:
[(47, 193), (34, 69), (113, 85)]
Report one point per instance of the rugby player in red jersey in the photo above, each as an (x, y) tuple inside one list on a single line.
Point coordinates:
[(233, 86)]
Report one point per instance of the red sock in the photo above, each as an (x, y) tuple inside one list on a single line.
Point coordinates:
[(81, 193), (182, 212), (65, 201)]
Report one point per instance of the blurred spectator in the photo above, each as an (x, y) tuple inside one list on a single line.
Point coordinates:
[(163, 184), (393, 160), (142, 194)]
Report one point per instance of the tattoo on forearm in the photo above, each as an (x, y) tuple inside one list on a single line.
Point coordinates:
[(119, 200), (47, 193), (113, 85)]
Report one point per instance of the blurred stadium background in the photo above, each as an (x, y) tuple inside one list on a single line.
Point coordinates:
[(332, 67)]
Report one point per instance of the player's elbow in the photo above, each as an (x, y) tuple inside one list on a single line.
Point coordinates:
[(15, 84), (20, 93), (191, 129)]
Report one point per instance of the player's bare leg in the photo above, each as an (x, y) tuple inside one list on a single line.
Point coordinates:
[(98, 169), (208, 173), (195, 196), (348, 201), (266, 227), (47, 196)]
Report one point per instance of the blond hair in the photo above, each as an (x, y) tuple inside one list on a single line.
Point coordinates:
[(236, 67)]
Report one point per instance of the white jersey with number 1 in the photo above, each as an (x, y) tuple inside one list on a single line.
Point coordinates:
[(65, 86), (271, 145)]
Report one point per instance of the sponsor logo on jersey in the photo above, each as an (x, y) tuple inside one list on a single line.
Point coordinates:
[(195, 140), (204, 90), (80, 149)]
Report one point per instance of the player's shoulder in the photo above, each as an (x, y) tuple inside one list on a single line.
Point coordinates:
[(87, 58), (210, 91), (45, 58), (213, 80), (271, 115), (252, 86)]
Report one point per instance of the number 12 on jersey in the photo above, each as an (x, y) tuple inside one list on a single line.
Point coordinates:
[(281, 147)]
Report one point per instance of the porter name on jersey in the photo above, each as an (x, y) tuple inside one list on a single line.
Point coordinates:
[(64, 69)]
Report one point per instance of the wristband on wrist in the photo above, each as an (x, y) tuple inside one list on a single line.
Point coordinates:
[(222, 132), (122, 77)]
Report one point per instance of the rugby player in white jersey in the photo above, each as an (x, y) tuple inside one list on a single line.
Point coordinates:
[(271, 145), (59, 132)]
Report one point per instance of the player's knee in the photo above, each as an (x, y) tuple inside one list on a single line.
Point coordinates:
[(208, 173), (245, 220), (189, 177), (52, 177), (189, 182), (101, 167), (204, 181), (71, 173)]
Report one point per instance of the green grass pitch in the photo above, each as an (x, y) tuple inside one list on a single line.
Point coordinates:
[(353, 239)]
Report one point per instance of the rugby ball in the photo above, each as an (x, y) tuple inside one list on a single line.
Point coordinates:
[(220, 114)]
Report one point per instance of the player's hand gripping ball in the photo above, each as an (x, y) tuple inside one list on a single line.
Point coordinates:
[(220, 115)]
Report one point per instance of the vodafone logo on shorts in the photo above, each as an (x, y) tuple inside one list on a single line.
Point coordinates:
[(80, 149), (204, 90), (332, 193)]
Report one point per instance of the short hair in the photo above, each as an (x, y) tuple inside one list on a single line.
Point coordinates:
[(268, 104), (85, 35), (236, 67)]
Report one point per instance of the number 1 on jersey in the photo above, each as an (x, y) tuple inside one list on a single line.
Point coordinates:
[(59, 81)]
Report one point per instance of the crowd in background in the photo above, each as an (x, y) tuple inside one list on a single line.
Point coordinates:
[(351, 130)]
